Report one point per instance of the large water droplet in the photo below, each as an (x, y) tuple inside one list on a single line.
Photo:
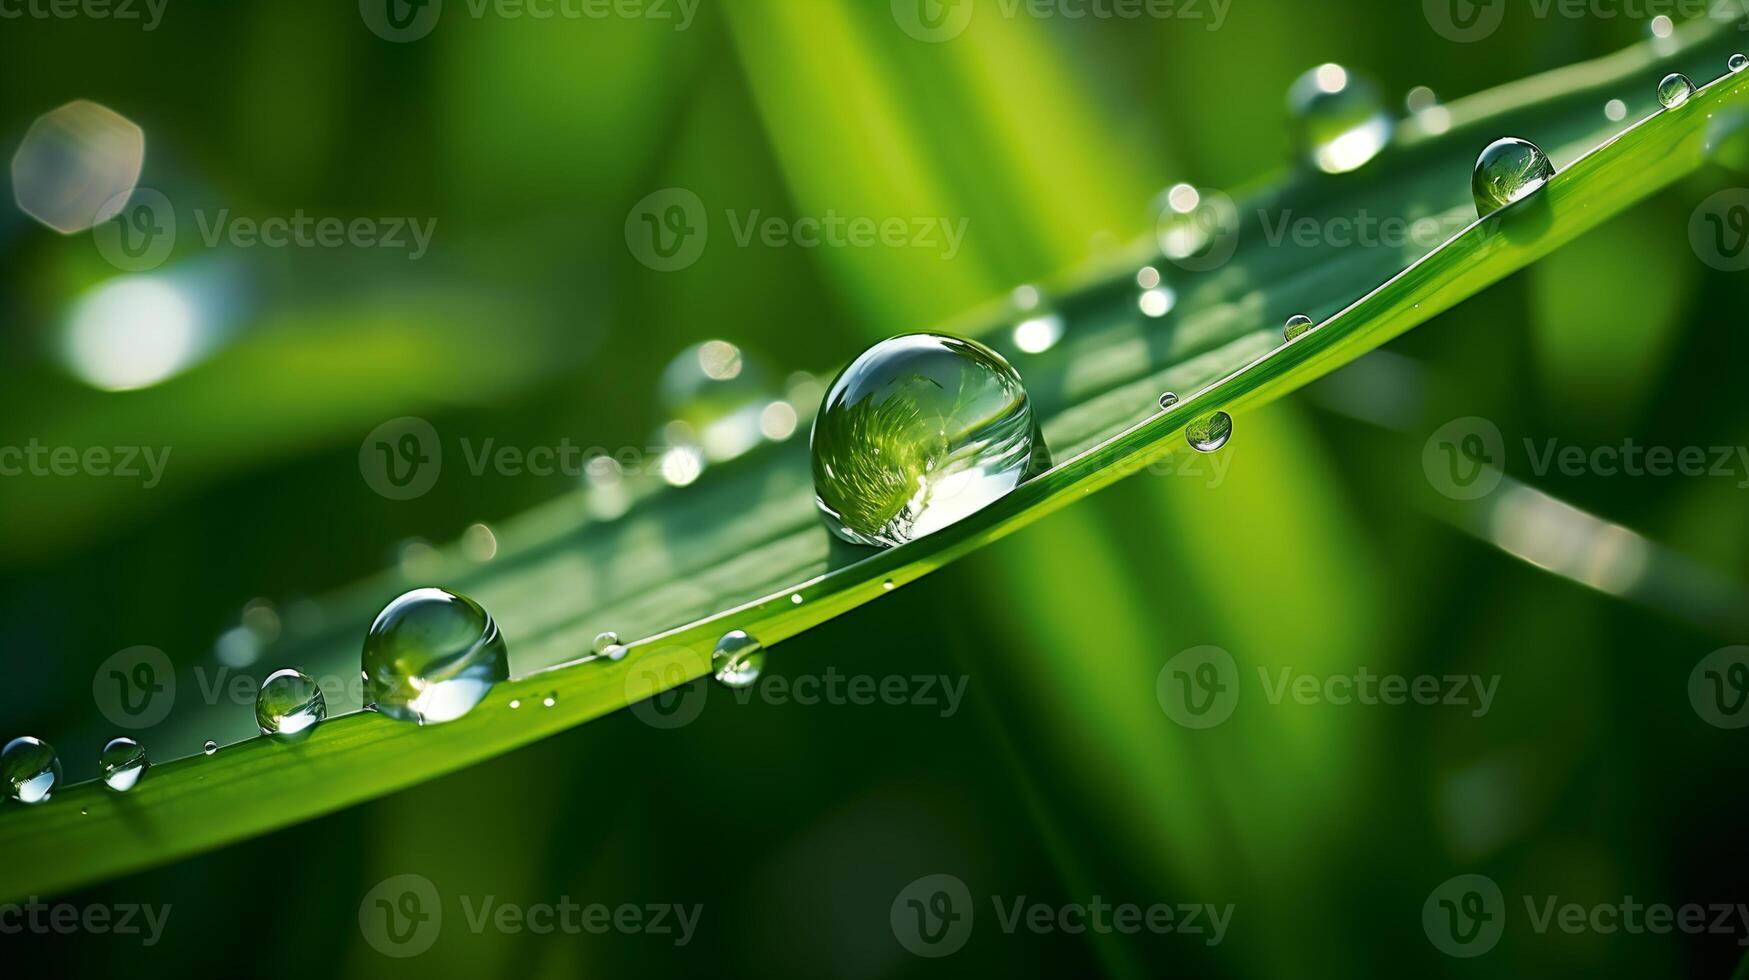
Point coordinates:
[(30, 768), (1340, 120), (917, 433), (121, 764), (431, 655), (1737, 62), (1297, 325), (1675, 90), (718, 393), (289, 705), (1509, 170), (1210, 432), (738, 659)]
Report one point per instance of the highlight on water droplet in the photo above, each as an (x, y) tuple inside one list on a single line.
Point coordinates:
[(1340, 119), (289, 705), (551, 699), (1210, 432), (1168, 399), (1737, 62), (431, 656), (917, 433), (1508, 171), (1675, 90), (121, 764), (1040, 326), (737, 659), (31, 769), (1297, 325), (210, 747)]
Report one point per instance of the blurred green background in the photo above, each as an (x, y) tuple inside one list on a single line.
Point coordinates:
[(1059, 778)]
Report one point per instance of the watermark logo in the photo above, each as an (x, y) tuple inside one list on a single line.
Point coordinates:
[(402, 458), (667, 230), (401, 916), (135, 688), (1464, 21), (932, 916), (400, 21), (933, 21), (1199, 688), (1465, 458), (1719, 230), (1718, 688), (667, 688), (141, 232), (1464, 916)]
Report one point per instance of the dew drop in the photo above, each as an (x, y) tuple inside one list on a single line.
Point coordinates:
[(1297, 325), (1675, 90), (1509, 170), (737, 659), (1210, 432), (1340, 119), (515, 703), (603, 640), (795, 599), (289, 705), (718, 393), (550, 699), (431, 655), (31, 769), (1737, 62), (121, 764), (1167, 400), (887, 585), (917, 433), (210, 747)]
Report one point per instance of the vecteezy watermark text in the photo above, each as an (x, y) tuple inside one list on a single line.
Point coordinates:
[(1467, 21), (1465, 459), (409, 20), (1465, 916), (121, 919), (149, 13), (935, 21), (143, 463)]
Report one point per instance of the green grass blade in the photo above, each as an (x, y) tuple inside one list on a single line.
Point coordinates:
[(735, 550)]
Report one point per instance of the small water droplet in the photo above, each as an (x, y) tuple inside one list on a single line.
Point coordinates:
[(888, 585), (121, 764), (210, 747), (603, 640), (515, 703), (917, 433), (289, 705), (1297, 325), (1210, 432), (737, 659), (1340, 119), (30, 768), (1509, 170), (551, 699), (796, 599), (1737, 62), (1168, 399), (719, 393), (85, 811), (431, 655), (1615, 110), (1675, 90)]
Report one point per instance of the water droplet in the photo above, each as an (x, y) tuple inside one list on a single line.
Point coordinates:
[(431, 655), (720, 393), (1297, 325), (796, 599), (1167, 400), (887, 585), (515, 703), (1210, 432), (917, 433), (1615, 110), (1675, 90), (30, 768), (1340, 119), (121, 764), (289, 705), (1420, 99), (210, 747), (737, 659), (603, 640), (1737, 62), (551, 699), (1509, 170)]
